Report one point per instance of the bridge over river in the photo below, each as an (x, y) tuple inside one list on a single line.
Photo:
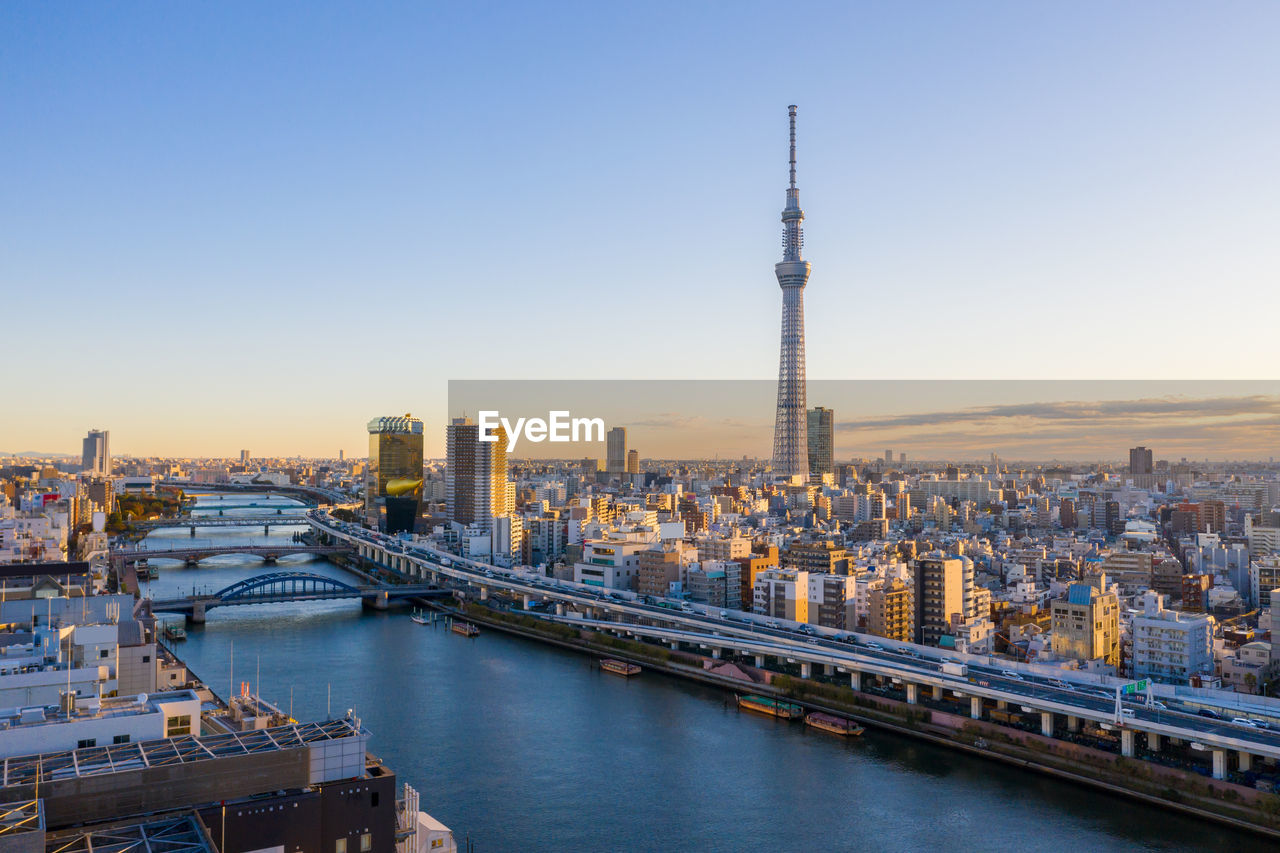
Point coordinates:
[(266, 522), (281, 587), (269, 553)]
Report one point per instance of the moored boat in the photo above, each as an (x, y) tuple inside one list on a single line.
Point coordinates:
[(835, 725), (466, 629), (419, 618), (175, 632), (771, 707), (618, 667)]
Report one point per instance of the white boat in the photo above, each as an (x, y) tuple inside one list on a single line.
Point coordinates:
[(419, 618)]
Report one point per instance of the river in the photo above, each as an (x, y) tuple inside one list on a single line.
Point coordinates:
[(523, 746)]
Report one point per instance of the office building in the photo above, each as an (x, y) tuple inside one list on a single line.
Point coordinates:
[(96, 453), (244, 458), (633, 462), (1140, 461), (616, 451), (821, 442), (393, 479), (790, 427)]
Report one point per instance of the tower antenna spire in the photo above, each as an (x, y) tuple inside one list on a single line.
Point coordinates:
[(791, 111), (790, 427)]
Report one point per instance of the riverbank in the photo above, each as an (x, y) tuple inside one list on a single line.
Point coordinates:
[(1167, 787)]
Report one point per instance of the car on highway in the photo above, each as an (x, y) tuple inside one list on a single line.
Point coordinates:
[(1244, 721), (1128, 712), (1211, 714), (1008, 673), (1059, 683), (772, 623), (875, 647)]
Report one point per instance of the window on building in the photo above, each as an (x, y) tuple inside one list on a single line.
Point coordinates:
[(340, 846), (102, 653), (120, 739), (146, 658), (86, 743), (366, 842), (177, 726)]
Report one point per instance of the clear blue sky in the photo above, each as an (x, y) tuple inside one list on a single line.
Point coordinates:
[(259, 224)]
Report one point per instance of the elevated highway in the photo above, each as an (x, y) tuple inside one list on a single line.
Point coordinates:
[(1063, 699)]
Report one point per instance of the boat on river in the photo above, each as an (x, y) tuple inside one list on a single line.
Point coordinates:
[(466, 629), (831, 723), (618, 667), (770, 707)]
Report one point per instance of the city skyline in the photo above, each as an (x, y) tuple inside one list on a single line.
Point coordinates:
[(941, 218), (931, 420)]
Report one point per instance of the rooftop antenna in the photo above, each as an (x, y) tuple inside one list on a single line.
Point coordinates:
[(791, 111)]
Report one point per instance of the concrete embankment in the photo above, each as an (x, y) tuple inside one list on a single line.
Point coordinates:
[(1168, 787)]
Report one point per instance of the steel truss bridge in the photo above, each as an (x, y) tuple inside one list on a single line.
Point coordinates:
[(284, 587)]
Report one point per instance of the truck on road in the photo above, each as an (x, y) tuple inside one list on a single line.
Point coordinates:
[(959, 669)]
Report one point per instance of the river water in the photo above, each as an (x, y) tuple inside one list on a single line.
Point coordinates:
[(522, 746)]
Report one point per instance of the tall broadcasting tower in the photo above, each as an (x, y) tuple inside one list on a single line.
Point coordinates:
[(790, 427)]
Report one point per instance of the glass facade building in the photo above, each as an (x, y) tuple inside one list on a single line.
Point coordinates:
[(393, 482)]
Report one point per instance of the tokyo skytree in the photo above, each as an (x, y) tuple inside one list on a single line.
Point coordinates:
[(790, 426)]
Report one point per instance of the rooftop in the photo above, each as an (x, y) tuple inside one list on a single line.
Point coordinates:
[(103, 760)]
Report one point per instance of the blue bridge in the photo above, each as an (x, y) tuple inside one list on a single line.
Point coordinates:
[(283, 587)]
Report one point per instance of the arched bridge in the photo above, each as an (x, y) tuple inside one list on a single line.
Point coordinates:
[(281, 587), (191, 556)]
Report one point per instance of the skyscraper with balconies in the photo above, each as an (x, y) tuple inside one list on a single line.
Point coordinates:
[(790, 426)]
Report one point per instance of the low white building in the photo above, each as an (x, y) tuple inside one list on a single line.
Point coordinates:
[(1168, 645), (94, 722)]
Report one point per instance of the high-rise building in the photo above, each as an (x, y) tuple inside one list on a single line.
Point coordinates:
[(616, 451), (633, 462), (244, 457), (393, 480), (476, 486), (889, 610), (944, 589), (790, 433), (888, 457), (96, 456), (821, 440), (1140, 461)]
